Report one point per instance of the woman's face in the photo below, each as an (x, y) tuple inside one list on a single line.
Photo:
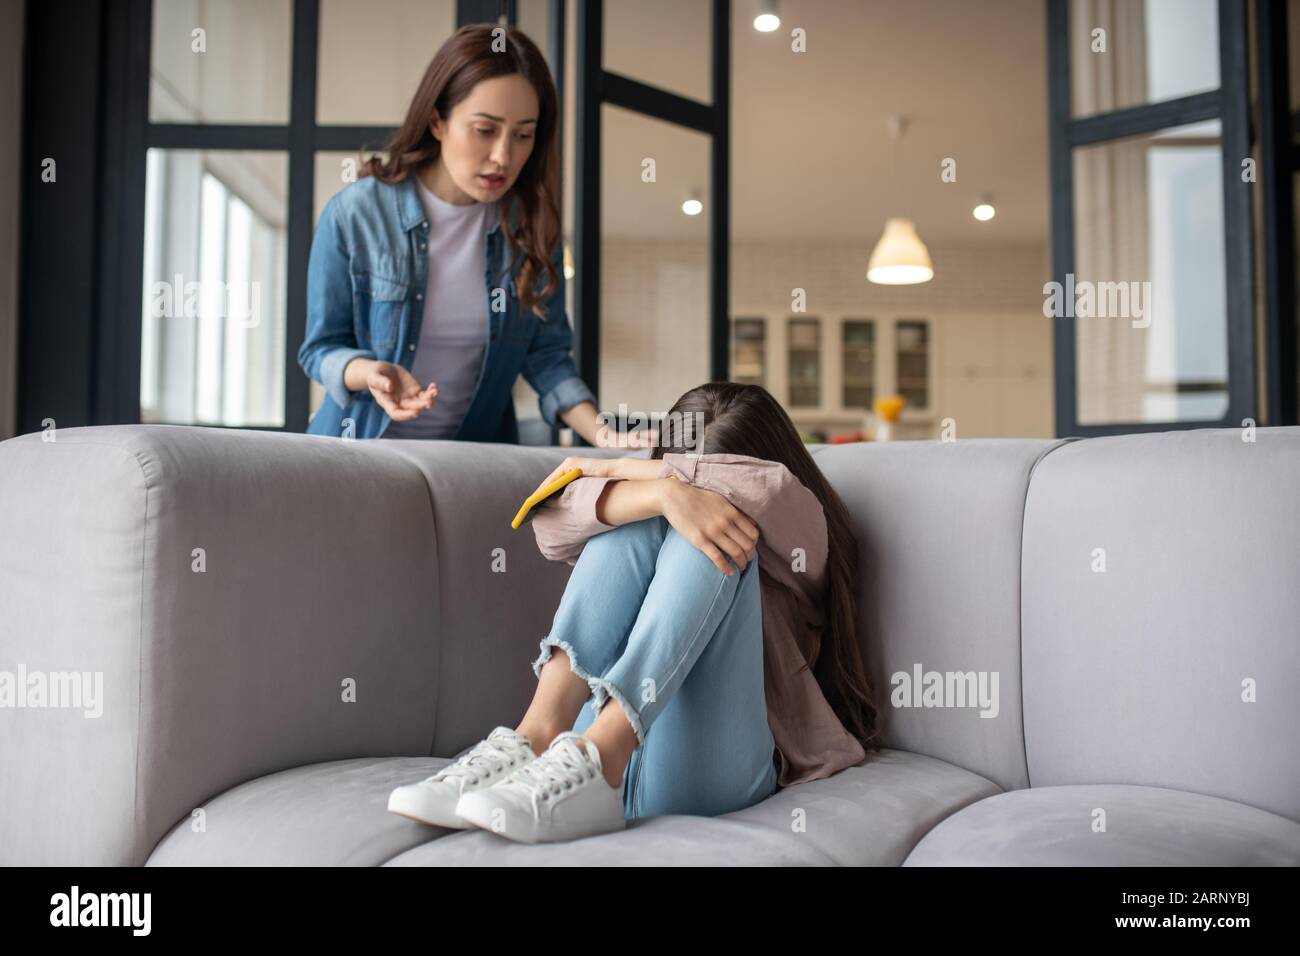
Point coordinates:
[(489, 136)]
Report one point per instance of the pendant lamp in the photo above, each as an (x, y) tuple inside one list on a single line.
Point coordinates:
[(900, 257)]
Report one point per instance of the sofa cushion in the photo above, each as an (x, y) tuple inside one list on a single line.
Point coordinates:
[(496, 593), (1160, 607), (871, 814), (223, 583), (938, 525), (1144, 826), (324, 814)]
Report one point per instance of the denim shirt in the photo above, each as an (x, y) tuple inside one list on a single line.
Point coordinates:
[(365, 298)]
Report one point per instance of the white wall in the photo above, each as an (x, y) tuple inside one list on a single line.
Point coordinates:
[(992, 347)]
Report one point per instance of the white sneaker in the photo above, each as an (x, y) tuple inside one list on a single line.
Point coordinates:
[(562, 795), (433, 800)]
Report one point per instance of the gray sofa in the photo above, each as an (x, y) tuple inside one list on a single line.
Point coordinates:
[(288, 626)]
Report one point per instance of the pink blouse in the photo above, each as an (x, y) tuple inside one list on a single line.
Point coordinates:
[(811, 743)]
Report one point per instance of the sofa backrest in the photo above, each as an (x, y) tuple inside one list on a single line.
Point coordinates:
[(938, 527), (249, 601), (1143, 588), (939, 531), (1161, 614), (497, 594)]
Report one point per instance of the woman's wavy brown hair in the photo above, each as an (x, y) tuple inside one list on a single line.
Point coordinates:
[(465, 60), (746, 420)]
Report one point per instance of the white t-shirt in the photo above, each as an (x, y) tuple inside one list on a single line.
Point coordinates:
[(455, 330)]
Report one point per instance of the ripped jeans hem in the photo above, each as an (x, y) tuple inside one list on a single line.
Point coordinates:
[(601, 688)]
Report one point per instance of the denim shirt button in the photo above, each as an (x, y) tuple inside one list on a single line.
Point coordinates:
[(411, 347), (419, 295)]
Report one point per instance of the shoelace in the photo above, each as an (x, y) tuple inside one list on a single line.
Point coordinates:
[(487, 756), (562, 766)]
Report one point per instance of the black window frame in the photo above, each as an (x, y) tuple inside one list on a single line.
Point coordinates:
[(598, 86), (1279, 161), (1230, 105)]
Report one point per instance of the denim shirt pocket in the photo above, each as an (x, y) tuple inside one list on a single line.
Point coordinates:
[(378, 304)]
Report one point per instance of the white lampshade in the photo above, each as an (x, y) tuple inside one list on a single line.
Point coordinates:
[(900, 257), (767, 19)]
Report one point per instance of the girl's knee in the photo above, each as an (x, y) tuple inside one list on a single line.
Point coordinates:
[(685, 551), (621, 535)]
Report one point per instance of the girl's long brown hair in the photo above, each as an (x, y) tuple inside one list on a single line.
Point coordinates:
[(746, 420), (466, 59)]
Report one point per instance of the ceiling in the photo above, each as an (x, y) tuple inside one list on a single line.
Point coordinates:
[(812, 156), (811, 153)]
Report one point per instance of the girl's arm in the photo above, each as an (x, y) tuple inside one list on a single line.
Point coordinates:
[(792, 524), (589, 506)]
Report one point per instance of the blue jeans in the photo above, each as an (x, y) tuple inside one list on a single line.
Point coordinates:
[(649, 620)]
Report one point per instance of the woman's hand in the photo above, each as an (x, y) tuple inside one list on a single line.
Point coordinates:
[(397, 391), (646, 438), (710, 522), (606, 438)]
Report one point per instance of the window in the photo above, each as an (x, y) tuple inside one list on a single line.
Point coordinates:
[(859, 363), (912, 356), (1141, 51), (657, 82), (1149, 247), (271, 98), (648, 354), (213, 336), (235, 178), (749, 351), (1152, 291), (224, 62), (373, 55), (857, 360), (804, 362)]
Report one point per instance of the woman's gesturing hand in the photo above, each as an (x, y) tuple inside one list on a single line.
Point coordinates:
[(710, 522), (397, 391)]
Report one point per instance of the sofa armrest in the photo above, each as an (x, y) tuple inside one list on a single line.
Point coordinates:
[(205, 606)]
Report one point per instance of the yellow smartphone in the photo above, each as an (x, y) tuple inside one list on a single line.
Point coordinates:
[(541, 494)]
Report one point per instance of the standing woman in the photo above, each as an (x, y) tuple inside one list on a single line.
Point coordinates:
[(413, 327)]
